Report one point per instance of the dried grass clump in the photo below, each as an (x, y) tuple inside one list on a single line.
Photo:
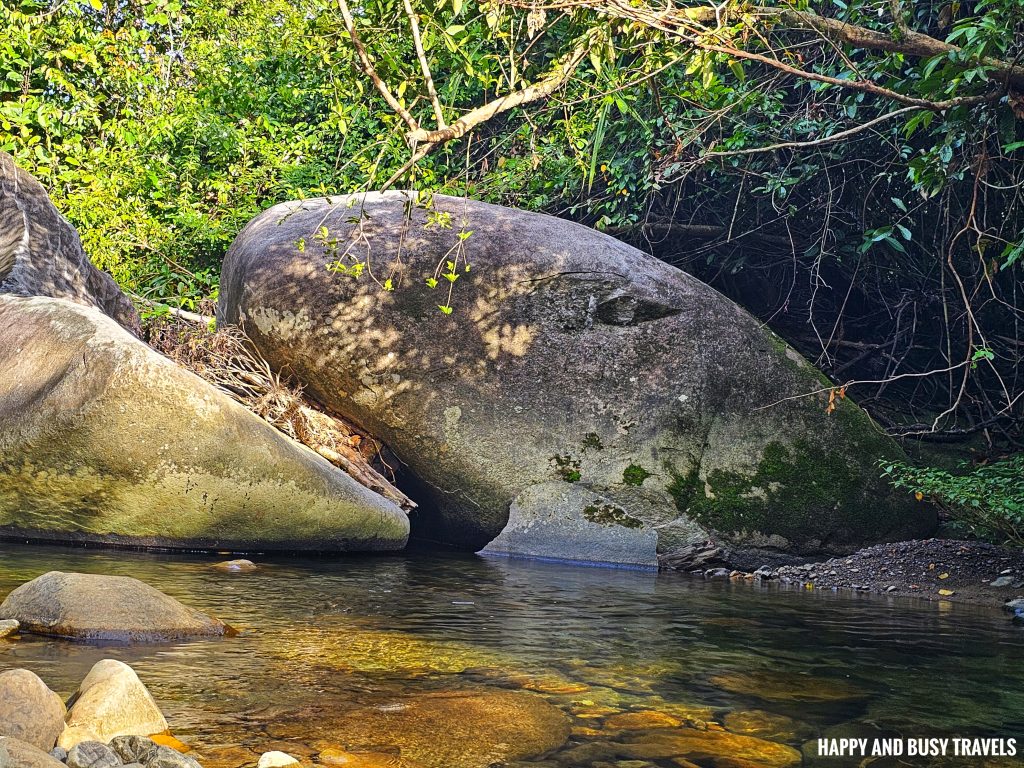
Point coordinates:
[(225, 359)]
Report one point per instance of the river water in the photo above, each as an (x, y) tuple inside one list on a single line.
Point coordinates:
[(322, 638)]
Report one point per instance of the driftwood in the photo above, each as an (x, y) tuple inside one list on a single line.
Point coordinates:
[(693, 557), (225, 359)]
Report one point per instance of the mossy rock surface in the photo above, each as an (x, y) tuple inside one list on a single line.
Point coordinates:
[(104, 440), (568, 357)]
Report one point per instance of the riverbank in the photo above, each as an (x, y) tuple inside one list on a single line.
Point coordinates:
[(933, 569)]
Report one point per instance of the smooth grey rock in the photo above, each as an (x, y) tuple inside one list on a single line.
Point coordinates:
[(8, 627), (1002, 581), (88, 606), (15, 753), (92, 754), (104, 440), (563, 521), (29, 710), (568, 356), (59, 753)]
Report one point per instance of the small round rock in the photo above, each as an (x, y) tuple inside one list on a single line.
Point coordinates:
[(8, 627), (276, 760)]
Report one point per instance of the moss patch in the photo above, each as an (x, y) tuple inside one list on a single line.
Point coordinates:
[(800, 492), (609, 514), (592, 440), (634, 474)]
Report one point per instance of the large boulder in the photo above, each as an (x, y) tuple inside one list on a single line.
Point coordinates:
[(104, 440), (569, 356), (41, 253), (87, 606), (29, 710), (111, 702)]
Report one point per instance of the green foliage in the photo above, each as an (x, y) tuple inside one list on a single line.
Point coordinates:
[(162, 127), (987, 499)]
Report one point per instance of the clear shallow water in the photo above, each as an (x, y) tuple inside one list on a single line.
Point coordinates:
[(323, 637)]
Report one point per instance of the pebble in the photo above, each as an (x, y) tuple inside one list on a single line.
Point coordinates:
[(59, 753), (1002, 581), (8, 627), (1007, 572), (276, 760)]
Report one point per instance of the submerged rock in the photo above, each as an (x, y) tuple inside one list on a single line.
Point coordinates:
[(567, 356), (692, 744), (767, 725), (104, 440), (86, 606), (234, 566), (777, 686), (29, 710), (112, 702), (471, 729), (641, 721)]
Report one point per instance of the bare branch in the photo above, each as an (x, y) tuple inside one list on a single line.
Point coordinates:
[(367, 66), (414, 24), (544, 87)]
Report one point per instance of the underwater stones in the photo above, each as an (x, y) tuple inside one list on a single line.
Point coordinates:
[(85, 606), (29, 711), (235, 566), (563, 521), (568, 356), (480, 727), (339, 757), (641, 721), (110, 702), (767, 725), (693, 744), (781, 687), (104, 440)]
